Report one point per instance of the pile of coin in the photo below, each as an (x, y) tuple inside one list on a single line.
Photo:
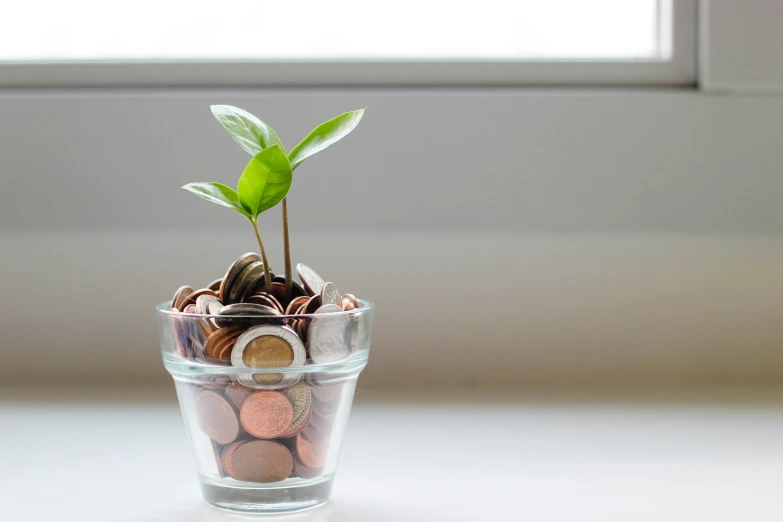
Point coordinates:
[(248, 330), (268, 436), (266, 427)]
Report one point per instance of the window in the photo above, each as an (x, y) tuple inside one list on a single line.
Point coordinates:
[(166, 42), (179, 29)]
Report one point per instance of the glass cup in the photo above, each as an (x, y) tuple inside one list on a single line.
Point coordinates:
[(265, 400)]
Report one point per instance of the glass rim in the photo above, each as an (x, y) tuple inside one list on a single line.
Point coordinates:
[(175, 364), (165, 308)]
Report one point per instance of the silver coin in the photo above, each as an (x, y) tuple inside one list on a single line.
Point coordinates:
[(228, 314), (214, 307), (313, 283), (245, 281), (248, 309), (203, 303), (233, 271), (327, 336), (301, 398), (330, 294)]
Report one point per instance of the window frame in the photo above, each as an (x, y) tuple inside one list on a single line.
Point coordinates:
[(678, 69)]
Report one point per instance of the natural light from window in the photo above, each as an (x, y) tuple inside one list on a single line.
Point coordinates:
[(52, 30)]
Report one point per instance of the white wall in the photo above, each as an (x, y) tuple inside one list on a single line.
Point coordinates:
[(618, 236), (501, 160)]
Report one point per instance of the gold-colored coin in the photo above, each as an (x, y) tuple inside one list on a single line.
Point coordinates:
[(268, 351), (268, 379)]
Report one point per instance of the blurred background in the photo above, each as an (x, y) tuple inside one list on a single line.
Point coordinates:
[(566, 199)]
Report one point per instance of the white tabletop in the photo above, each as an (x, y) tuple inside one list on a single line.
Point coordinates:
[(490, 457)]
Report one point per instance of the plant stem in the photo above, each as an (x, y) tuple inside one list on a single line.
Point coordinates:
[(267, 278), (289, 280)]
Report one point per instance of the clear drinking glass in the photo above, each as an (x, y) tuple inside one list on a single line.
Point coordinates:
[(266, 440)]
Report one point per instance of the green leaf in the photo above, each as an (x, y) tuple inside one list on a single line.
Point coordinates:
[(249, 132), (265, 181), (324, 135), (217, 193)]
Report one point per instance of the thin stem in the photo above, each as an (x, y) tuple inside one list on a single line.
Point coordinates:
[(289, 280), (267, 278)]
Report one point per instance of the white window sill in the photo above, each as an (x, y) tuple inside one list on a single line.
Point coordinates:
[(491, 457)]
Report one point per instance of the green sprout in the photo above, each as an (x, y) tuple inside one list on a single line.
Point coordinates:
[(267, 178)]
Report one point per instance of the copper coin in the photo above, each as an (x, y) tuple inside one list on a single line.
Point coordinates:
[(300, 397), (217, 449), (296, 289), (245, 282), (266, 414), (194, 331), (191, 299), (180, 295), (353, 300), (296, 304), (312, 454), (237, 393), (213, 344), (226, 456), (277, 290), (219, 336), (189, 309), (320, 423), (223, 352), (260, 461), (265, 299), (229, 448), (312, 305), (232, 273), (213, 341), (346, 304), (328, 392), (216, 417), (181, 336), (305, 472), (214, 382), (316, 435), (301, 331), (325, 409), (215, 285), (299, 323), (277, 303)]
